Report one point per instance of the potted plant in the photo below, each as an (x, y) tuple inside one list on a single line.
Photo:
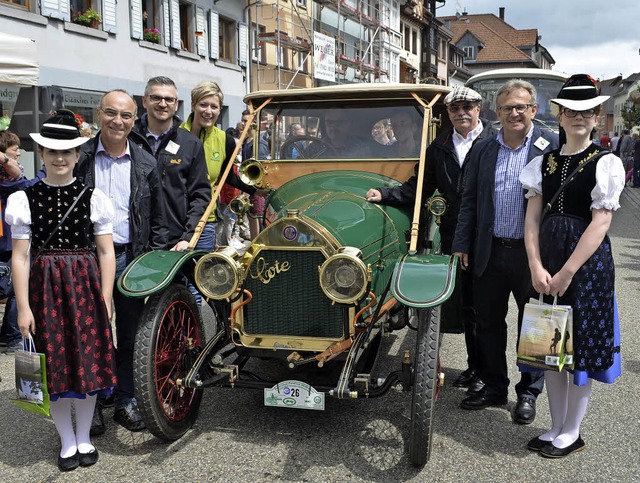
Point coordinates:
[(152, 35), (90, 18)]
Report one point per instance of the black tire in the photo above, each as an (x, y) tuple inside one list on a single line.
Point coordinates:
[(425, 383), (168, 319)]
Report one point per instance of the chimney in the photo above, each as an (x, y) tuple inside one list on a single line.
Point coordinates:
[(502, 13)]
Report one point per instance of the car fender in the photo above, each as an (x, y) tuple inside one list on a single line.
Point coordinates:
[(423, 281), (151, 272)]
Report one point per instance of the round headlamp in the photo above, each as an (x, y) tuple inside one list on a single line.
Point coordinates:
[(344, 276), (437, 206), (218, 275)]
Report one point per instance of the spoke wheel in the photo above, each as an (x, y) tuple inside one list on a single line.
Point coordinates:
[(168, 320), (425, 383)]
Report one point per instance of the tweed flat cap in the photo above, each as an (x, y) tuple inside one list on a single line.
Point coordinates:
[(462, 94)]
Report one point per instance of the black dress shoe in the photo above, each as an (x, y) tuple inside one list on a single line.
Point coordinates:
[(129, 417), (536, 444), (97, 423), (465, 378), (483, 400), (475, 387), (525, 411), (551, 451), (90, 458), (68, 464)]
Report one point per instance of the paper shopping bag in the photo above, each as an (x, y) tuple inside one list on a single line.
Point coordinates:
[(568, 339), (543, 336), (31, 379)]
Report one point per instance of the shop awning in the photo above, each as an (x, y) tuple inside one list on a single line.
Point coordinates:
[(18, 61)]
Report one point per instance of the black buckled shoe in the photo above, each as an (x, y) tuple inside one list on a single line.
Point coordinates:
[(129, 417), (483, 400), (550, 451), (97, 423), (90, 458), (475, 387), (466, 378), (68, 464), (524, 411)]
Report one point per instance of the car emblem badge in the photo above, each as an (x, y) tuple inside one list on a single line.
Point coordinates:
[(290, 232)]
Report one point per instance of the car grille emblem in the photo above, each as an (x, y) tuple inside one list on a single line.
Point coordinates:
[(266, 273)]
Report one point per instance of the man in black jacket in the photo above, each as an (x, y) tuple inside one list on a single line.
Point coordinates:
[(491, 225), (180, 157), (129, 177), (446, 158)]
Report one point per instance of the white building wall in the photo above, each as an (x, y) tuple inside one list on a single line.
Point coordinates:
[(87, 59)]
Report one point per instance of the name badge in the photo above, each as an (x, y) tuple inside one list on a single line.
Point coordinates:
[(172, 147), (541, 143)]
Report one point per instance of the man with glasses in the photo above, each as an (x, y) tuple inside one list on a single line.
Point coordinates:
[(491, 226), (180, 157), (446, 159), (129, 177)]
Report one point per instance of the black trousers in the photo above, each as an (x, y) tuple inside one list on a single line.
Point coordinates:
[(507, 273), (469, 320)]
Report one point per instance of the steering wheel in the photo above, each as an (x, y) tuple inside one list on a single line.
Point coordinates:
[(307, 147)]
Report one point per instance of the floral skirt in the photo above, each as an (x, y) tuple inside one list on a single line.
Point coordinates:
[(596, 337), (72, 324)]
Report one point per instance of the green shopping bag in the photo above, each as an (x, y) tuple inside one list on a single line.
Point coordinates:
[(31, 379)]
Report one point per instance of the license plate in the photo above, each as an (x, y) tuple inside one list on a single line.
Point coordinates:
[(294, 394)]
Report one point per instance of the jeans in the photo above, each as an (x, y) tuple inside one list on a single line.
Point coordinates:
[(207, 241), (10, 323), (636, 171), (127, 312)]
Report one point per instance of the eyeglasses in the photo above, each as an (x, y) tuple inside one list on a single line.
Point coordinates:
[(112, 114), (158, 99), (586, 114), (457, 107), (520, 108)]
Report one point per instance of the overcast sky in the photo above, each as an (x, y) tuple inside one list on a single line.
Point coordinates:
[(601, 38)]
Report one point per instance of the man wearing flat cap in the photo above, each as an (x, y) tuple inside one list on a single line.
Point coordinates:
[(491, 226), (446, 158)]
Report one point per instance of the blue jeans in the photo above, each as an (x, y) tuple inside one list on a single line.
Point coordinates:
[(127, 311), (10, 322), (207, 241)]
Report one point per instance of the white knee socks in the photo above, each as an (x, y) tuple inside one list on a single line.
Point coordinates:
[(568, 404), (578, 401), (61, 415), (557, 387), (84, 415)]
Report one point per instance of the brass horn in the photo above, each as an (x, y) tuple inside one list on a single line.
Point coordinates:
[(251, 172)]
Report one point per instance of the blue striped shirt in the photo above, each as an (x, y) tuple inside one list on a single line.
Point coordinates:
[(113, 177), (509, 196)]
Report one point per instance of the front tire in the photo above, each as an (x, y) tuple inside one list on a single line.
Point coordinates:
[(168, 320), (425, 383)]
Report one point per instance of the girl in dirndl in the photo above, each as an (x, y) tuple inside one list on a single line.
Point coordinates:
[(570, 257), (64, 284)]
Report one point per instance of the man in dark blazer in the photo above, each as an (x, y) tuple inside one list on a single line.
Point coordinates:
[(491, 226)]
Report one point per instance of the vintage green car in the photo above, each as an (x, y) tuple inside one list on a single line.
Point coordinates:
[(327, 276)]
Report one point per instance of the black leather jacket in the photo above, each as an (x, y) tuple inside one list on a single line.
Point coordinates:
[(148, 228), (442, 173)]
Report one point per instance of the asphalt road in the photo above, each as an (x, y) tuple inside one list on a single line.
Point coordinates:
[(236, 438)]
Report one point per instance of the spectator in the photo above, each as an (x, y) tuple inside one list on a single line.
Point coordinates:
[(626, 149), (180, 159), (491, 224), (605, 141), (570, 257), (206, 103), (113, 163)]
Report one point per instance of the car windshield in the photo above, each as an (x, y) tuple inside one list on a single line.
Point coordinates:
[(546, 89), (342, 131)]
